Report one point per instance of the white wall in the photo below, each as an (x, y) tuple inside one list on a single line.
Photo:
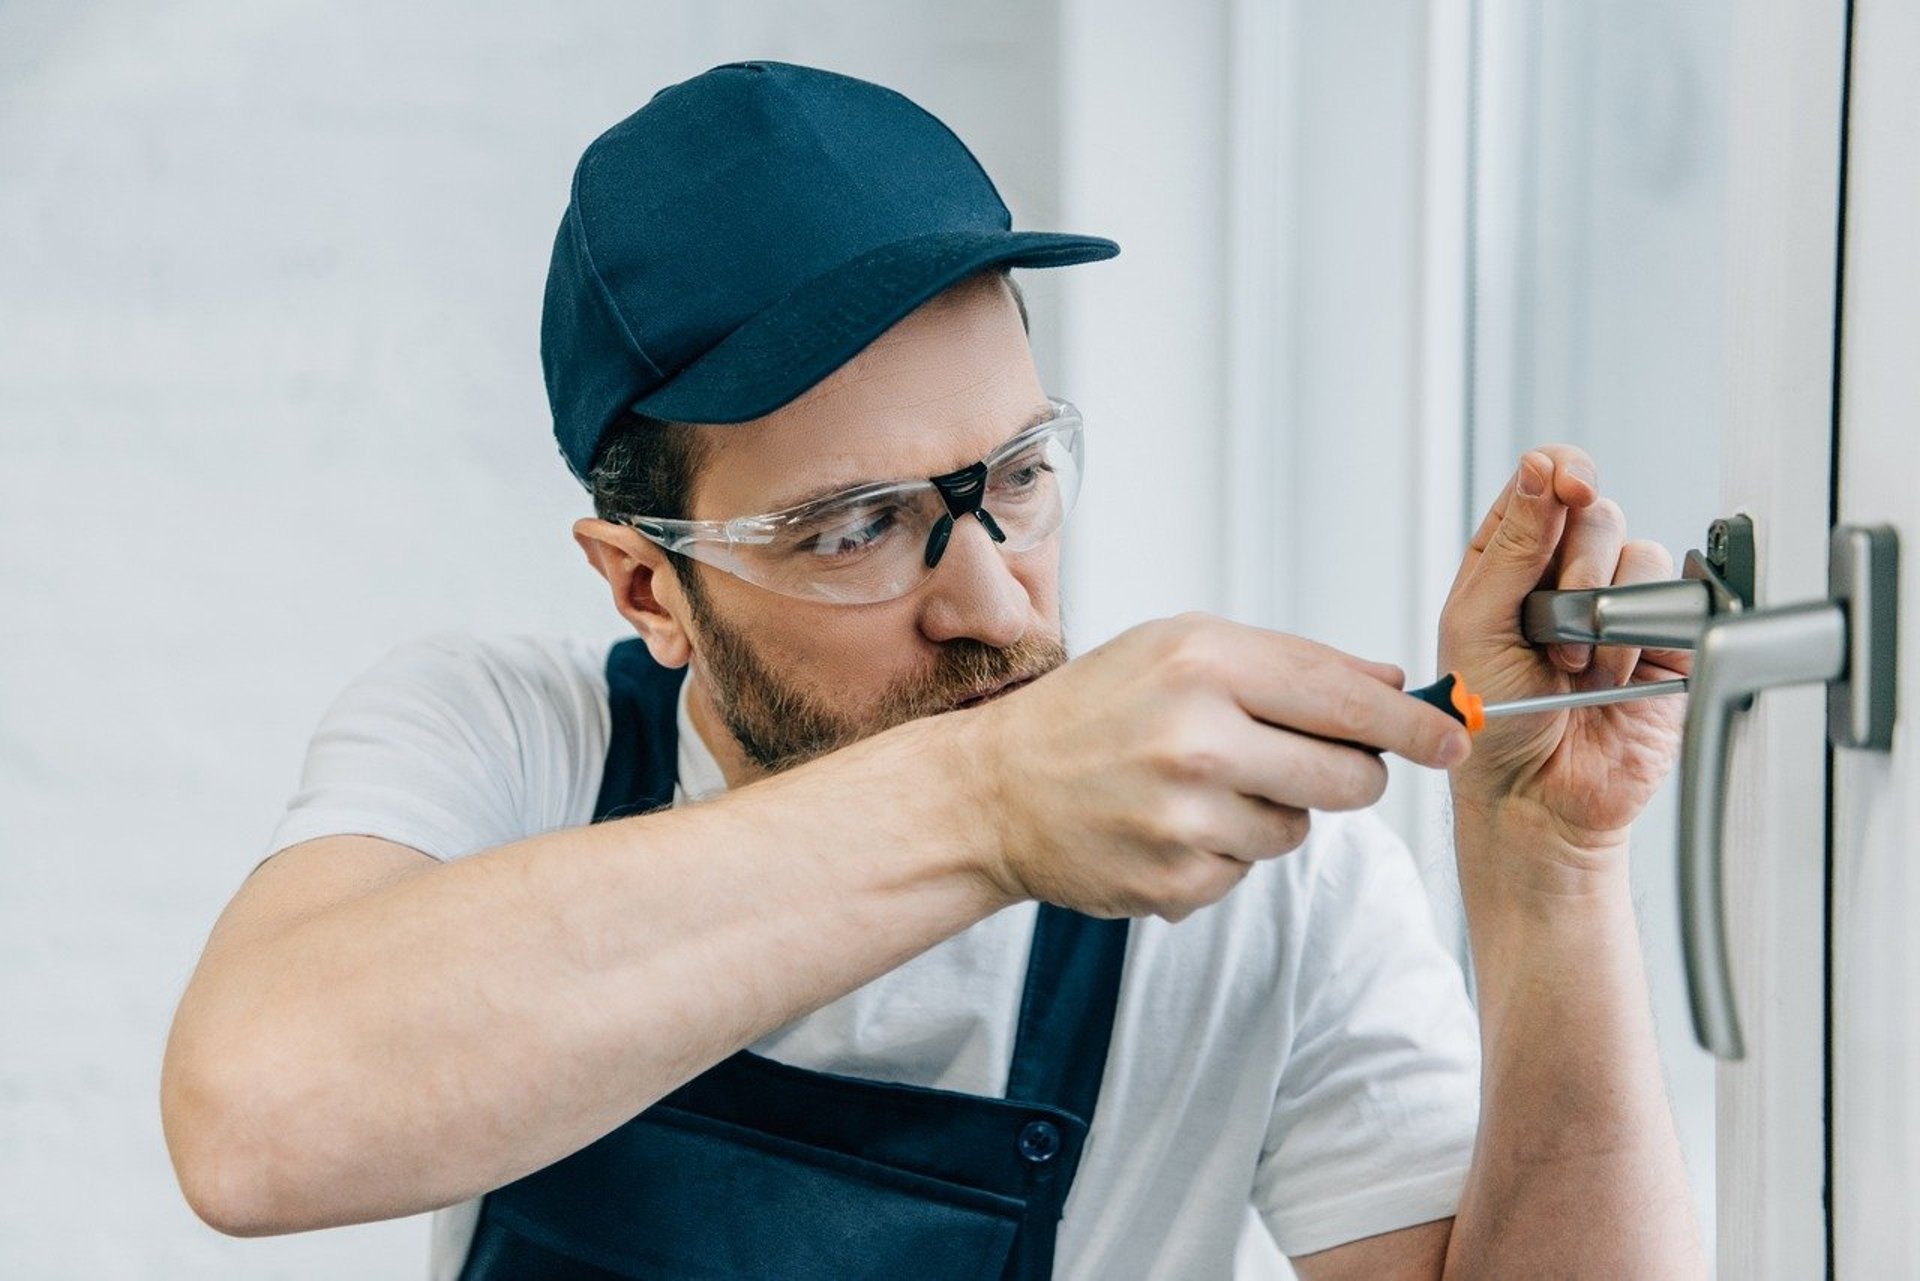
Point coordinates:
[(1143, 121), (270, 403)]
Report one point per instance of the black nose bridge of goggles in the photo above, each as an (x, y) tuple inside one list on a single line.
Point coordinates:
[(962, 491)]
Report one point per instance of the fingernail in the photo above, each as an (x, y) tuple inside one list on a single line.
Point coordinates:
[(1577, 656), (1532, 481), (1584, 474), (1455, 750)]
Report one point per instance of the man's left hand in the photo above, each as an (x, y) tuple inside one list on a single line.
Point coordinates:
[(1580, 776)]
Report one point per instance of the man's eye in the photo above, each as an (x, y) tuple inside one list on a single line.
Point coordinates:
[(1023, 477), (849, 536)]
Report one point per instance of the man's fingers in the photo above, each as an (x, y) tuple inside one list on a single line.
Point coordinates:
[(1258, 649), (1575, 484), (1491, 521), (1520, 548), (1264, 641), (1292, 770), (1244, 828), (1334, 701), (1478, 543), (1590, 553), (1641, 561), (1298, 684), (1664, 664), (1385, 673)]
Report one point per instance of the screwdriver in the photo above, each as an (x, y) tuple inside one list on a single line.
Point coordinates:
[(1451, 695)]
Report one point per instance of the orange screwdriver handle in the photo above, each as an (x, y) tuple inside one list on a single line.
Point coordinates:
[(1451, 695)]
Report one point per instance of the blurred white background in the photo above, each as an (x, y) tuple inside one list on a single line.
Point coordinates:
[(270, 403)]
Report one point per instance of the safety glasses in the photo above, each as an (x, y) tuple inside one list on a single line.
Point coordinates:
[(878, 542)]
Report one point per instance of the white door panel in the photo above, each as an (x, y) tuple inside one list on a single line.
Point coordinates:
[(1876, 801), (1783, 198)]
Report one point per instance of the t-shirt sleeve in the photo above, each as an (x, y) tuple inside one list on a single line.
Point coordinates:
[(453, 744), (1374, 1118)]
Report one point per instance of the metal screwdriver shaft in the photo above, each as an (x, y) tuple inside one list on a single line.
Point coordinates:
[(1451, 695), (1585, 698)]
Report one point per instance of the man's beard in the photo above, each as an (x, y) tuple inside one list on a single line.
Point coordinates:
[(779, 725)]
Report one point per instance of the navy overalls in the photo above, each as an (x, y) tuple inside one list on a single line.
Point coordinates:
[(756, 1169)]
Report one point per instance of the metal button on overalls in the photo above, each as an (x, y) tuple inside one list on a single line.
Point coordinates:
[(1039, 1141)]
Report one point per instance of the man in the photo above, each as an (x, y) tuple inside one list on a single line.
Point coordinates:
[(794, 936)]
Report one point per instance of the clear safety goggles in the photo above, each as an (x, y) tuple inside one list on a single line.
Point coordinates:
[(878, 542)]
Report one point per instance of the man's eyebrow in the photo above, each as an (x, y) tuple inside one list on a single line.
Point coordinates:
[(814, 495)]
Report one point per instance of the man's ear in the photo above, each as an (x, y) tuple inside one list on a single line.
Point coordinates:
[(646, 590)]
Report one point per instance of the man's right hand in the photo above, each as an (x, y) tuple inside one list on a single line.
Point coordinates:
[(1150, 774)]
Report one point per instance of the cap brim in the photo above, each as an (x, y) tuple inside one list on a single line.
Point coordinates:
[(820, 326)]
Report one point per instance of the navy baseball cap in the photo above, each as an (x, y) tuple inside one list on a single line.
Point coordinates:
[(746, 233)]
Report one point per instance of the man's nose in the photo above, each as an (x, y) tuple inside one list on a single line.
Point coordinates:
[(973, 592)]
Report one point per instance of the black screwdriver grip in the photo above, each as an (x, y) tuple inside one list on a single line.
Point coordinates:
[(1451, 695)]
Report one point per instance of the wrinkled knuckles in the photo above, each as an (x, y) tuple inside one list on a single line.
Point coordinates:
[(1202, 879), (1181, 629), (1185, 820), (1607, 514), (1194, 657), (1650, 558), (1187, 755), (1354, 713), (1366, 783), (1518, 538), (1293, 829), (1191, 882), (1336, 778)]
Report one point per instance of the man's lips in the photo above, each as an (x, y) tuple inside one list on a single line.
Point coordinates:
[(986, 695)]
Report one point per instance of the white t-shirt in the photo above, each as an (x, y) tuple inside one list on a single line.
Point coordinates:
[(1302, 1051)]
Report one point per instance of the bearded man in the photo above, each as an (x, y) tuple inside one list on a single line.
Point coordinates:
[(832, 924)]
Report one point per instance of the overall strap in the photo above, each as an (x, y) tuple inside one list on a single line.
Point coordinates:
[(1066, 1012), (643, 736), (1059, 1055)]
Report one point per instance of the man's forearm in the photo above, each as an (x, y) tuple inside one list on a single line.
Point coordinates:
[(508, 1008), (1577, 1169)]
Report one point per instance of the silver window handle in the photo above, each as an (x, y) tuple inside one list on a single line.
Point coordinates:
[(1655, 615), (1739, 655), (1849, 642), (1668, 615)]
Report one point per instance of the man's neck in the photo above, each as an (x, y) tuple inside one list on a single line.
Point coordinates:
[(733, 762)]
